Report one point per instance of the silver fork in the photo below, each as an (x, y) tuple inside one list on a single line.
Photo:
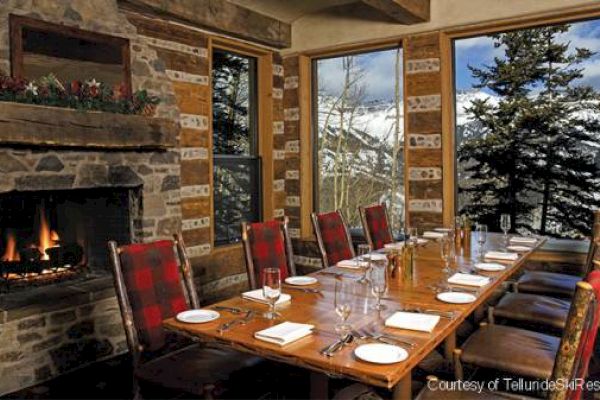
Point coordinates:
[(240, 321)]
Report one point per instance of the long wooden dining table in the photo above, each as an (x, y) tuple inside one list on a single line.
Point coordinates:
[(318, 309)]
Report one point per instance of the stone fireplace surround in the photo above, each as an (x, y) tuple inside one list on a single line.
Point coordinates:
[(49, 330)]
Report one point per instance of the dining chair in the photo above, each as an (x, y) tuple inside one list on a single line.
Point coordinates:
[(375, 222), (267, 245), (559, 284), (333, 237), (154, 282), (523, 353)]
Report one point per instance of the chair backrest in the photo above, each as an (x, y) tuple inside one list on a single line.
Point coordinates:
[(376, 225), (333, 237), (579, 335), (150, 289), (267, 245)]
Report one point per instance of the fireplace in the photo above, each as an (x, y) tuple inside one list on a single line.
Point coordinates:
[(48, 236)]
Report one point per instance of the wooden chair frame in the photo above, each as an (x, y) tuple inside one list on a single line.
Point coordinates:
[(250, 268), (187, 283), (365, 225), (319, 236)]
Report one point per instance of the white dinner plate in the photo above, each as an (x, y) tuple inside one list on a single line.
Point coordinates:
[(380, 353), (301, 280), (519, 249), (492, 267), (422, 241), (456, 297), (197, 316), (373, 257), (444, 230)]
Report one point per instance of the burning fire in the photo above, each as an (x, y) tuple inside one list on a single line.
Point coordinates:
[(10, 253), (47, 237)]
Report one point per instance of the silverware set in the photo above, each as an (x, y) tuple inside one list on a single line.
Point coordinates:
[(443, 314), (336, 274), (233, 310), (330, 350), (450, 288), (366, 334), (305, 290), (238, 321)]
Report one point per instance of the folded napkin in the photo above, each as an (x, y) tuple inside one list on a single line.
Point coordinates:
[(284, 333), (523, 240), (468, 279), (433, 235), (395, 245), (375, 257), (352, 264), (501, 255), (412, 321), (257, 295)]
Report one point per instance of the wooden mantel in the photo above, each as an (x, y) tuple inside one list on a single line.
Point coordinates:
[(33, 125)]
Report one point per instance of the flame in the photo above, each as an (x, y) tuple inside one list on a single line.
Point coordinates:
[(10, 253), (47, 238)]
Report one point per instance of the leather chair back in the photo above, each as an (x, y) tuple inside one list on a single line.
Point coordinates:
[(267, 245), (375, 222), (153, 282), (333, 237)]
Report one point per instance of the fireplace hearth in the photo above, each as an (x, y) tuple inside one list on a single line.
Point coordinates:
[(50, 236)]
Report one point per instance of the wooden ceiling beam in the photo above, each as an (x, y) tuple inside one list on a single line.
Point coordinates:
[(406, 12), (221, 16)]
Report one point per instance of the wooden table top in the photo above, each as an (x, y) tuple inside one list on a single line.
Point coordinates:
[(318, 309)]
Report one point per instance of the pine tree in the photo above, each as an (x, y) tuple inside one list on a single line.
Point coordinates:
[(535, 157)]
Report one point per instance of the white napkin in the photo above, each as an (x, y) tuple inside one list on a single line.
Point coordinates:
[(284, 333), (468, 279), (523, 240), (501, 255), (257, 295), (352, 264), (433, 235), (395, 246), (375, 257), (412, 321)]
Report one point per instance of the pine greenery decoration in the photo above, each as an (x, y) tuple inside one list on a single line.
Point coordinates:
[(535, 157)]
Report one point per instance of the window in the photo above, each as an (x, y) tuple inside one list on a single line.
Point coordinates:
[(528, 128), (359, 131), (235, 144)]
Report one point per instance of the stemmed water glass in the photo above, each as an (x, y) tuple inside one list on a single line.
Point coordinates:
[(379, 283), (413, 235), (505, 226), (447, 252), (364, 251), (271, 290), (482, 230), (343, 303)]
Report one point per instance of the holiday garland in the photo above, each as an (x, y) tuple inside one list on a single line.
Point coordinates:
[(85, 96)]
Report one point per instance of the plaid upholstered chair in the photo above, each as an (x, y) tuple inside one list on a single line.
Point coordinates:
[(154, 282), (559, 284), (376, 225), (534, 355), (267, 245), (333, 237)]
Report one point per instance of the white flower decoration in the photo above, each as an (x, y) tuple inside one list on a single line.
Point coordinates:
[(31, 88), (93, 83)]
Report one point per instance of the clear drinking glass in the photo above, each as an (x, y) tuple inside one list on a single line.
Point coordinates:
[(482, 230), (505, 226), (364, 251), (447, 252), (343, 303), (271, 290), (413, 235), (379, 284)]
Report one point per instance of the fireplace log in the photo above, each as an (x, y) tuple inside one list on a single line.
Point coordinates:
[(30, 254), (66, 254)]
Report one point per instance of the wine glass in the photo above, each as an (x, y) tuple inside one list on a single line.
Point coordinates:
[(364, 251), (379, 284), (447, 252), (505, 226), (413, 235), (343, 303), (271, 290), (481, 236)]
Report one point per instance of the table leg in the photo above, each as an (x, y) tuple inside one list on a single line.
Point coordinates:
[(403, 390), (319, 386), (449, 346)]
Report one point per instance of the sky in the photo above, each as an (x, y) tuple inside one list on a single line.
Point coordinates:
[(479, 51), (378, 67)]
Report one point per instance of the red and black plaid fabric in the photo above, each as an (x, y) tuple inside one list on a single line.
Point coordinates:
[(378, 227), (267, 246), (588, 336), (335, 239), (151, 276)]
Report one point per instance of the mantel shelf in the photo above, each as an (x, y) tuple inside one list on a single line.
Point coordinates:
[(35, 125)]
